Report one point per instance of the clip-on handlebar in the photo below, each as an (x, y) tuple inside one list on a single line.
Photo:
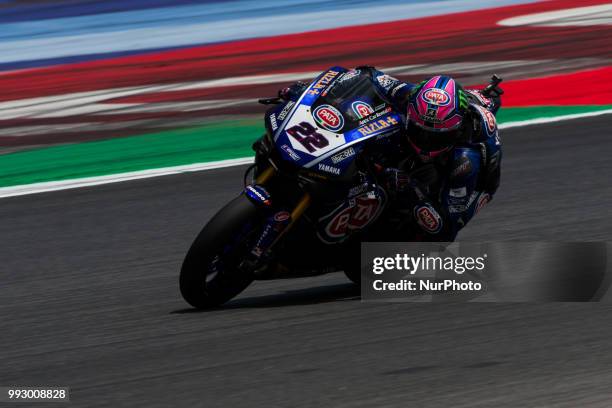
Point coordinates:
[(493, 89)]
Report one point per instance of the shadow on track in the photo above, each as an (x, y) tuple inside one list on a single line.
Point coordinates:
[(308, 296)]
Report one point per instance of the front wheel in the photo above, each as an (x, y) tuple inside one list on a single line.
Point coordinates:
[(210, 275)]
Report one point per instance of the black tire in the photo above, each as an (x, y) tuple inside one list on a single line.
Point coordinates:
[(201, 288), (351, 264), (354, 275)]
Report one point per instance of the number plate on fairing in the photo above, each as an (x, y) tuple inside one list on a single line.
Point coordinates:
[(308, 137)]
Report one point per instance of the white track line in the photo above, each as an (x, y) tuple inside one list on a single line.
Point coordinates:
[(553, 119), (116, 178), (49, 186), (582, 16)]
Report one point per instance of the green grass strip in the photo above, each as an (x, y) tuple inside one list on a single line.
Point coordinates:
[(212, 142), (519, 114), (208, 143)]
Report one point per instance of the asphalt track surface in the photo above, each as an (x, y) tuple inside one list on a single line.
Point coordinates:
[(89, 300)]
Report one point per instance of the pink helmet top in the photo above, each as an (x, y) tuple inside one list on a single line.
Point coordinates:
[(435, 105), (434, 109)]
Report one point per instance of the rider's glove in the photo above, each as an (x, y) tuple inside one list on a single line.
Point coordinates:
[(398, 181)]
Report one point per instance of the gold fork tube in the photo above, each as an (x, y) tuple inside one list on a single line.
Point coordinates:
[(265, 176), (296, 214), (299, 209)]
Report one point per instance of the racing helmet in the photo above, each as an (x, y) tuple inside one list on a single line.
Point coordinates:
[(435, 114)]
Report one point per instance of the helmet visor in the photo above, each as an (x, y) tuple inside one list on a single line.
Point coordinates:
[(431, 141)]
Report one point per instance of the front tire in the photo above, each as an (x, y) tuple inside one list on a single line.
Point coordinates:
[(210, 275)]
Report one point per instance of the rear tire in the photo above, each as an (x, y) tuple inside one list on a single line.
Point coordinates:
[(352, 261), (202, 287), (354, 275)]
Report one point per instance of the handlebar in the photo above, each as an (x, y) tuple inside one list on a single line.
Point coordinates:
[(493, 88), (270, 101)]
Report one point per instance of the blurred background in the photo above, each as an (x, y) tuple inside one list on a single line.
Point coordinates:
[(164, 83), (93, 92)]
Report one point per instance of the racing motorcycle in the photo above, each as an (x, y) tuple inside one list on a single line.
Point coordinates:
[(310, 198)]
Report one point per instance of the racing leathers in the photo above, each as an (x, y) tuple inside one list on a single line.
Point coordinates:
[(436, 198)]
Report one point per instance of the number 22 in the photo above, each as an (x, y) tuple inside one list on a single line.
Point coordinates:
[(307, 135)]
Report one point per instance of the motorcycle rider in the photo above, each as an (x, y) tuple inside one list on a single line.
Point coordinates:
[(447, 167)]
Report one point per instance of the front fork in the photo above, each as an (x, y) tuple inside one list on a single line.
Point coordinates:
[(276, 225)]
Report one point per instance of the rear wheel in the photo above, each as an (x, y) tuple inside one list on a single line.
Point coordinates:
[(210, 275), (351, 264), (354, 275)]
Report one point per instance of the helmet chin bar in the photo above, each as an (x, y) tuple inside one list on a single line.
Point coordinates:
[(427, 156)]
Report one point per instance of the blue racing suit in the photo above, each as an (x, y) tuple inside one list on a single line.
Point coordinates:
[(438, 198)]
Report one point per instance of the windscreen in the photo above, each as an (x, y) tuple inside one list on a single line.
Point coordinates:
[(350, 102)]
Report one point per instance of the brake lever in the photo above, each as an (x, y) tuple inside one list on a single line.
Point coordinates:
[(270, 101)]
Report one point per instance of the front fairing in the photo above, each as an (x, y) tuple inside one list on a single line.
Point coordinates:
[(332, 121)]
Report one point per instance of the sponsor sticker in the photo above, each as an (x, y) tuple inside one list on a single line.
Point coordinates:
[(491, 122), (328, 117), (463, 168), (358, 215), (281, 216), (482, 201), (259, 193), (489, 119), (473, 197), (329, 169), (436, 96), (291, 152), (458, 192), (428, 218), (353, 191), (349, 75), (456, 209), (386, 81), (362, 109), (479, 97), (323, 82), (343, 155), (397, 88), (431, 116), (283, 114), (381, 106), (273, 123), (376, 115), (377, 126)]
